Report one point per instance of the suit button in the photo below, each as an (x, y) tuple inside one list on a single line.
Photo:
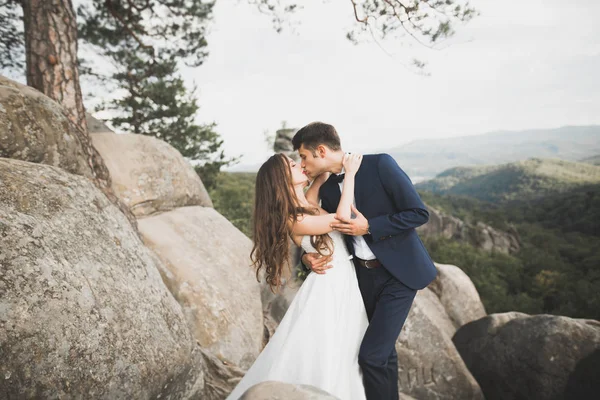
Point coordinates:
[(390, 236)]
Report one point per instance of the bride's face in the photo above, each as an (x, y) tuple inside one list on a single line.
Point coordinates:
[(298, 174)]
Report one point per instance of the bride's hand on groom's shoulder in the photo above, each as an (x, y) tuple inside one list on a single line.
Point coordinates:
[(351, 163)]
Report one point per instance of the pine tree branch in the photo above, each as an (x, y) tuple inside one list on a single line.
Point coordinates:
[(112, 11)]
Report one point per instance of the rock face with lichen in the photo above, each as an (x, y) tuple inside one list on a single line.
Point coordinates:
[(34, 128), (149, 175), (206, 266), (205, 260), (83, 309)]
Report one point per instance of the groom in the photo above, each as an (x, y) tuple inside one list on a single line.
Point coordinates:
[(391, 262)]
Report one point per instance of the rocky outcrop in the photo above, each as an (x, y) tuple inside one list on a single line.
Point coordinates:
[(204, 259), (430, 367), (220, 378), (479, 235), (207, 268), (35, 128), (149, 175), (83, 310), (516, 356), (458, 296), (283, 142), (272, 390)]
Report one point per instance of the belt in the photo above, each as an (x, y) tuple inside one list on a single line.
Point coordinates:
[(368, 263)]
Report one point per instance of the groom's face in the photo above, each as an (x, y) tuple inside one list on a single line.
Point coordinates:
[(313, 161)]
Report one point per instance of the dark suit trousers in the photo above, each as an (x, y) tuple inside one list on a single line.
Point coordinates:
[(387, 301)]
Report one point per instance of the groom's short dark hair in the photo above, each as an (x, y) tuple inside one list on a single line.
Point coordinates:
[(315, 134)]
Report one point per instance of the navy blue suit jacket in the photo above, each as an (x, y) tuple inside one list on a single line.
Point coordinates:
[(387, 198)]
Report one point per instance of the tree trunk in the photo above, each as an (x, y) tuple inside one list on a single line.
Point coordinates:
[(51, 55), (51, 51)]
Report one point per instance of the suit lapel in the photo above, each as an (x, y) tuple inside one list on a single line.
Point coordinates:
[(332, 191), (362, 189), (365, 182), (358, 185)]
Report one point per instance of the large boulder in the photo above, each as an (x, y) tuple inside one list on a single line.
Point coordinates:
[(207, 268), (35, 128), (83, 310), (430, 367), (546, 357), (149, 175), (272, 390), (458, 295)]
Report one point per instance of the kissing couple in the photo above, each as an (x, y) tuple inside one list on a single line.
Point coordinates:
[(356, 224)]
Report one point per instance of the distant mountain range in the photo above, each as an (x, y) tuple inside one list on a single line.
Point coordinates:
[(425, 159), (522, 180), (592, 160)]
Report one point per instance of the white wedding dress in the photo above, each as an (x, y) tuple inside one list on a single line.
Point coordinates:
[(318, 339)]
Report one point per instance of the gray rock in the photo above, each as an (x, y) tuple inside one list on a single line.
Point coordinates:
[(283, 142), (516, 356), (430, 367), (148, 174), (96, 125), (83, 310), (220, 378), (458, 296), (479, 235), (271, 390), (207, 269), (35, 128), (429, 302)]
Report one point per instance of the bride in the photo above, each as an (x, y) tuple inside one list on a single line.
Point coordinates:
[(318, 340)]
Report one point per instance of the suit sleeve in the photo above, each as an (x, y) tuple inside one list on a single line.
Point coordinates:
[(411, 210)]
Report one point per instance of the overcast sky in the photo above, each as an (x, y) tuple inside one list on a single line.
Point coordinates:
[(521, 64)]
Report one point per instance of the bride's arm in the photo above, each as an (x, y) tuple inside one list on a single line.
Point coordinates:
[(351, 164), (321, 224)]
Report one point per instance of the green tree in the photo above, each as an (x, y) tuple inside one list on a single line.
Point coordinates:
[(12, 37), (233, 197), (153, 99)]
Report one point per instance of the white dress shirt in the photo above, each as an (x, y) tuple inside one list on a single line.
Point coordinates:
[(361, 248)]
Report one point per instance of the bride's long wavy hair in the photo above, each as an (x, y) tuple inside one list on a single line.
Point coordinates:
[(276, 210)]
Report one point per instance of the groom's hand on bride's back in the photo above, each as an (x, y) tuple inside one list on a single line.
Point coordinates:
[(316, 262)]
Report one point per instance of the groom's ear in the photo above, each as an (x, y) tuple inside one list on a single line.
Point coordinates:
[(321, 151)]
